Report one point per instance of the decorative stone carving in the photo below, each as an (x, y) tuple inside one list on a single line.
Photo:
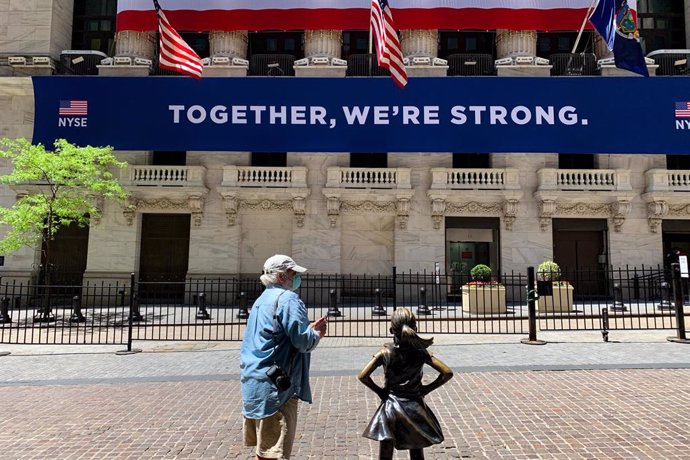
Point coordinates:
[(99, 204), (333, 206), (299, 207), (135, 44), (323, 43), (510, 210), (265, 205), (547, 208), (438, 211), (228, 43), (681, 210), (230, 205), (367, 206), (419, 43), (578, 209), (403, 212), (619, 209), (656, 210), (194, 203)]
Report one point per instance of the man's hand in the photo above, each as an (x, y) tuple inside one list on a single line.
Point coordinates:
[(320, 326)]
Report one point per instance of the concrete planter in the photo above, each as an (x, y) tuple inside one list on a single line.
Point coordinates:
[(561, 300), (484, 299)]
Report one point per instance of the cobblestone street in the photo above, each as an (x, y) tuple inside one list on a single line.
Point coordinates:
[(507, 401)]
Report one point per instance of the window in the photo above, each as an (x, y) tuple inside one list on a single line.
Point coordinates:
[(677, 162), (466, 42), (169, 158), (269, 159), (471, 160), (576, 161), (93, 25), (549, 43), (198, 42), (291, 43), (368, 160), (355, 42), (662, 24)]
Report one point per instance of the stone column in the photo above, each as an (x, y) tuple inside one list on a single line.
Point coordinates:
[(131, 44), (601, 49), (321, 47), (232, 44), (227, 45), (519, 44), (423, 45)]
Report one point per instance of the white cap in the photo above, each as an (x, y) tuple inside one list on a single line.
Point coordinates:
[(281, 263)]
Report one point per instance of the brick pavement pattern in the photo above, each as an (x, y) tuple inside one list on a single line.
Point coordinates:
[(579, 414)]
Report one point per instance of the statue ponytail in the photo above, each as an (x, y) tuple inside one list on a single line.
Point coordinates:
[(404, 329)]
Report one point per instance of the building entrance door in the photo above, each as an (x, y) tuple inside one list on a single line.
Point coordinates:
[(581, 255), (164, 256), (68, 253)]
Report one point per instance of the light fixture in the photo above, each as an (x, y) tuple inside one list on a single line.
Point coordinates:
[(406, 61), (40, 60), (338, 62), (16, 60), (107, 61), (240, 61), (528, 60), (206, 62), (220, 60), (439, 61), (320, 60), (142, 61), (541, 61), (606, 61), (504, 61), (421, 60), (122, 60), (302, 62)]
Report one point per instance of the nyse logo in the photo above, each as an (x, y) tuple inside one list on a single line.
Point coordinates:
[(73, 114), (683, 115)]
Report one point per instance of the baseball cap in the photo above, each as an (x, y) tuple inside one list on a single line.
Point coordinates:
[(281, 263)]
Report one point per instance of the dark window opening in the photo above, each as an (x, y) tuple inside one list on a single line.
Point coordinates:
[(677, 162), (466, 42), (291, 43), (471, 160), (368, 160), (355, 42), (169, 158), (93, 25), (549, 43), (269, 159), (199, 42), (662, 25), (576, 161)]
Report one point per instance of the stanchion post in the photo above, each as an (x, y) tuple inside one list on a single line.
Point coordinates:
[(605, 324), (532, 310), (680, 313), (618, 304), (130, 317), (201, 313), (77, 315), (333, 304), (378, 309), (423, 308), (242, 313), (5, 317)]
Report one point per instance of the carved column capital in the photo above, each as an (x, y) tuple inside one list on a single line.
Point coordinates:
[(438, 211), (230, 204), (619, 209), (656, 210), (299, 207), (196, 206), (510, 210), (402, 208), (333, 206), (547, 208), (129, 210)]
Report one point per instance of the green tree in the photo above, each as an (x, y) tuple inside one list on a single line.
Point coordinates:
[(63, 186)]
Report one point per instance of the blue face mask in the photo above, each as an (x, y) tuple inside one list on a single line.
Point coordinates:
[(296, 282)]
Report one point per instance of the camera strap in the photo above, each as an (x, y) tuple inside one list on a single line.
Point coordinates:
[(273, 335)]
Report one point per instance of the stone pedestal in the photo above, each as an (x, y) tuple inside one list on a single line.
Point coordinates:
[(320, 71), (225, 71), (512, 43), (323, 43), (523, 70), (427, 70), (610, 70), (123, 70), (135, 44), (230, 44)]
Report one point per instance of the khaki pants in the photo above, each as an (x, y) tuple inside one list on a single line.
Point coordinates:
[(273, 436)]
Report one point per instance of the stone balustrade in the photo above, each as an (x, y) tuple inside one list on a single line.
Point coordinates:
[(584, 179), (382, 178), (166, 176), (474, 179), (665, 180), (265, 176)]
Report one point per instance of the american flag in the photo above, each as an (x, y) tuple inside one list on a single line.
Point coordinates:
[(388, 50), (73, 108), (175, 53), (682, 109)]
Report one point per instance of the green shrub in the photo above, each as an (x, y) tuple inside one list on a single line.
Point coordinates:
[(481, 272), (548, 271)]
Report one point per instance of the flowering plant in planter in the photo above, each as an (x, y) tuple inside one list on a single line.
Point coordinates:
[(550, 271), (557, 295), (482, 295)]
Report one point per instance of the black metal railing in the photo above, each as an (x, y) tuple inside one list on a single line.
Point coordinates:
[(358, 305), (471, 65), (569, 64)]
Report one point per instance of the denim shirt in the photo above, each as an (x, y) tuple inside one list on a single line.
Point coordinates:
[(260, 398)]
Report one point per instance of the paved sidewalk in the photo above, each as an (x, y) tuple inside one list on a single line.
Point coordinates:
[(574, 398)]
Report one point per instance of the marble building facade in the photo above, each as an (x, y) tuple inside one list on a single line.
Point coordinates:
[(310, 209)]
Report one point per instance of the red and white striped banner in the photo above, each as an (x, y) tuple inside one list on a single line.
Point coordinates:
[(207, 15)]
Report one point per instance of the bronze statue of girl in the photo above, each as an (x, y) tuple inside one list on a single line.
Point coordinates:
[(403, 420)]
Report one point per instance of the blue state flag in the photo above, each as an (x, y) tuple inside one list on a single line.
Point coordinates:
[(615, 22)]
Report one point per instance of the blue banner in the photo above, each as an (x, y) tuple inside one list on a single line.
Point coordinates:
[(283, 114)]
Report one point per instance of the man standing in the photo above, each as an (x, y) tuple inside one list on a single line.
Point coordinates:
[(274, 360)]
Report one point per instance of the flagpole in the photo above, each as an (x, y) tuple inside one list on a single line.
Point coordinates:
[(584, 23), (371, 45)]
